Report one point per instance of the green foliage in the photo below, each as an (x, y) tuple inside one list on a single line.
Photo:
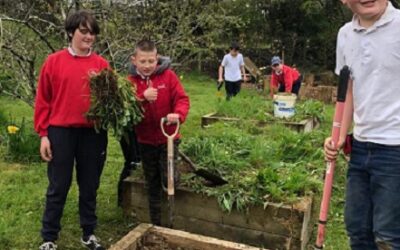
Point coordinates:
[(251, 106), (276, 165), (113, 103), (21, 142), (22, 186)]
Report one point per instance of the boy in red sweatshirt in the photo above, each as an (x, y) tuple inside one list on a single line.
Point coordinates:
[(284, 78), (161, 95), (67, 137)]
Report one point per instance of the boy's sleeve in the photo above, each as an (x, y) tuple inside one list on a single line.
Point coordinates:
[(241, 60), (223, 63), (43, 101), (180, 99), (340, 58), (288, 78)]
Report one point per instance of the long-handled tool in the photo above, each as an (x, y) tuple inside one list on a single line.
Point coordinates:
[(330, 168), (170, 170), (207, 175)]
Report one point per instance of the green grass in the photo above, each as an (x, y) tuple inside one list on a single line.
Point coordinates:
[(22, 187)]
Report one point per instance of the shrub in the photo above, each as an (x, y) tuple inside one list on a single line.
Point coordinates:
[(21, 143)]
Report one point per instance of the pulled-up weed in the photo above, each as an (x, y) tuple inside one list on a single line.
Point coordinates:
[(113, 103)]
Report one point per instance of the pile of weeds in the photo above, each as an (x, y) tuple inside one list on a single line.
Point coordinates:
[(274, 165)]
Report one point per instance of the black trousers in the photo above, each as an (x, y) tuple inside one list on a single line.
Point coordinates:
[(232, 88), (130, 150), (295, 86), (86, 149), (154, 160)]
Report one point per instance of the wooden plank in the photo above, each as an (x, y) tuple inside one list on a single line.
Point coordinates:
[(251, 67), (194, 241), (226, 232), (130, 241), (288, 221), (306, 125)]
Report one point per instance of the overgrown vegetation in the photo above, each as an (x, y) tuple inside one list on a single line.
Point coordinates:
[(250, 106), (113, 103), (274, 165)]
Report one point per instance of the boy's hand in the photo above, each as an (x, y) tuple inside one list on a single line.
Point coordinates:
[(172, 118), (45, 149), (220, 80), (330, 151), (150, 94)]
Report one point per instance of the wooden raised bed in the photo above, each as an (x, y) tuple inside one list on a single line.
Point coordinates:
[(326, 94), (275, 227), (305, 125), (153, 237)]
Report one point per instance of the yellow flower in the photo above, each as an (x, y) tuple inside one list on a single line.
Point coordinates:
[(12, 129), (181, 77)]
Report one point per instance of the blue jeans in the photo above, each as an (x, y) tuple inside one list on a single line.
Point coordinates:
[(372, 211)]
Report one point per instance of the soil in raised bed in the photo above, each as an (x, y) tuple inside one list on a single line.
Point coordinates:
[(153, 241)]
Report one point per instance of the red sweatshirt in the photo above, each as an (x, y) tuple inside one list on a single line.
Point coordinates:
[(287, 77), (63, 94), (171, 98)]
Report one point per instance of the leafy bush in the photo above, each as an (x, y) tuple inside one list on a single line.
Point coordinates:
[(21, 142)]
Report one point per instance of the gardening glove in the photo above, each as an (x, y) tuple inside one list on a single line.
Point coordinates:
[(45, 149)]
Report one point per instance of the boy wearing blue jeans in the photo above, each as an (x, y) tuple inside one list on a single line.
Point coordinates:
[(370, 46)]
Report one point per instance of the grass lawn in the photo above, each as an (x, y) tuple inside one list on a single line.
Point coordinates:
[(23, 186)]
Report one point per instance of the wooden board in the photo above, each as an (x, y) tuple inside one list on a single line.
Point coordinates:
[(252, 68), (177, 238), (305, 125), (277, 226)]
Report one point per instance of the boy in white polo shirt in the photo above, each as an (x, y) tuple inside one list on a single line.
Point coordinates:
[(370, 46), (233, 67)]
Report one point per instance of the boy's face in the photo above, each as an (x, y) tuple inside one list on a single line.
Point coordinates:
[(234, 52), (367, 9), (145, 62), (83, 38)]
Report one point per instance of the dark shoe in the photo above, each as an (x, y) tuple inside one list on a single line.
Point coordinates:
[(48, 245), (92, 243)]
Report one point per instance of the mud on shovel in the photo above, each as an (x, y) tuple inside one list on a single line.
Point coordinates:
[(170, 169)]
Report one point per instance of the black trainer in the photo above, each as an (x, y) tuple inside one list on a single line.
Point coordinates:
[(92, 243), (48, 245)]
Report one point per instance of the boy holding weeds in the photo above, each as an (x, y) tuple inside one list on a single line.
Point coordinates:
[(370, 46), (67, 137), (161, 95)]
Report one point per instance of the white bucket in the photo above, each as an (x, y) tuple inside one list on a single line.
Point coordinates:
[(284, 105)]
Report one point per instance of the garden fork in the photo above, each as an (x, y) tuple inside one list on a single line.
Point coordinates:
[(170, 170)]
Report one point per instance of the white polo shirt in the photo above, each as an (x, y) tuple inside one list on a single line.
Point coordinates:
[(373, 56), (232, 66)]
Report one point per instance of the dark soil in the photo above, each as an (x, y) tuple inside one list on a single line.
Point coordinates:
[(152, 241)]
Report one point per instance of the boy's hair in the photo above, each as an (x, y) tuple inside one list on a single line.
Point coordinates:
[(234, 46), (394, 3), (145, 45), (81, 17)]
